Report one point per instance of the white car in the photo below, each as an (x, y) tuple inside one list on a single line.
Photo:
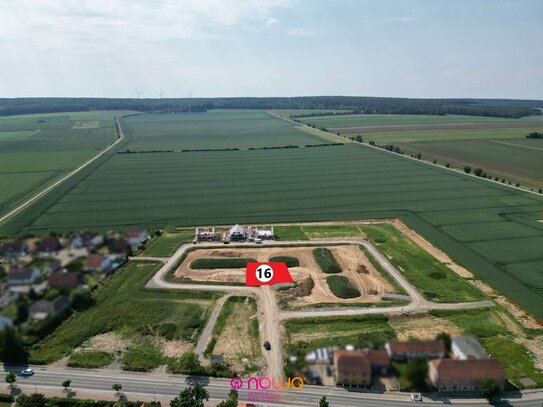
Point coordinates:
[(26, 372), (416, 397)]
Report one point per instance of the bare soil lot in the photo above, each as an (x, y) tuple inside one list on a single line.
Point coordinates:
[(421, 326), (356, 267)]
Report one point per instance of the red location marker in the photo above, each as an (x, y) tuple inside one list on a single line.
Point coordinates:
[(259, 273)]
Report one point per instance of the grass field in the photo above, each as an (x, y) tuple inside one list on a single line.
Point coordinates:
[(304, 335), (305, 184), (36, 150), (167, 243), (90, 359), (123, 305), (518, 160), (434, 280)]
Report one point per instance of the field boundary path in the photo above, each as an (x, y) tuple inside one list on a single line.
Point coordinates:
[(65, 177), (208, 331), (269, 314)]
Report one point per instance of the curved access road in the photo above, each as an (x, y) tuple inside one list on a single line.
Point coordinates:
[(269, 314), (64, 178)]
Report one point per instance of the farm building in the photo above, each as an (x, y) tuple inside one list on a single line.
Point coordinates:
[(237, 233), (352, 368), (205, 235)]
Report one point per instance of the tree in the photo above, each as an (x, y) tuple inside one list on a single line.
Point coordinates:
[(66, 384), (81, 298), (192, 396), (10, 379), (467, 169), (188, 362), (323, 402), (490, 389), (117, 387), (11, 349), (232, 400), (446, 338), (416, 372), (478, 171)]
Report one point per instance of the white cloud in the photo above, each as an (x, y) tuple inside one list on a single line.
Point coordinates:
[(90, 25), (300, 32)]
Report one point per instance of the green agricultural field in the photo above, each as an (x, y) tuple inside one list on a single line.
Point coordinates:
[(124, 306), (361, 120), (517, 160), (35, 150), (215, 129), (344, 182), (433, 279)]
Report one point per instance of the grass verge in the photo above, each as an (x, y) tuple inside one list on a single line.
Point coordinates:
[(90, 359)]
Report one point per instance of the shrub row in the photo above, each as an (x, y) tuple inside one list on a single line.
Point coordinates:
[(326, 260)]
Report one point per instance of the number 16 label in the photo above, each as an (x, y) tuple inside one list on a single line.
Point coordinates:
[(267, 273)]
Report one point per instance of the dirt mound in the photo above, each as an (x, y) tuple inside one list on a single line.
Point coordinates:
[(303, 289)]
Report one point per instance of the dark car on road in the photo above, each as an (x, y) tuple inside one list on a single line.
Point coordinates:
[(267, 345)]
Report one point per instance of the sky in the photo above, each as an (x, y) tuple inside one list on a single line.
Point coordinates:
[(214, 48)]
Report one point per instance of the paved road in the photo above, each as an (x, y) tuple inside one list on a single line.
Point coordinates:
[(60, 181), (270, 315), (141, 386)]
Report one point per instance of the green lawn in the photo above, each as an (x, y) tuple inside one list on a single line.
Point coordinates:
[(124, 305), (167, 243), (289, 233), (433, 279)]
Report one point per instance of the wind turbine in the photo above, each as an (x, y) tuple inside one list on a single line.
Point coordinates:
[(138, 92), (161, 93), (189, 94)]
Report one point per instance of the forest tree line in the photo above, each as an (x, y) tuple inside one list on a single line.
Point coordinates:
[(367, 105)]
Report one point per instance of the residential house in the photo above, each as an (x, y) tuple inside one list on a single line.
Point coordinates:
[(23, 276), (408, 350), (265, 233), (379, 360), (44, 309), (96, 262), (14, 248), (237, 233), (467, 347), (49, 244), (87, 239), (8, 298), (65, 281), (54, 265), (135, 237), (5, 322), (464, 375), (119, 246), (352, 368)]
